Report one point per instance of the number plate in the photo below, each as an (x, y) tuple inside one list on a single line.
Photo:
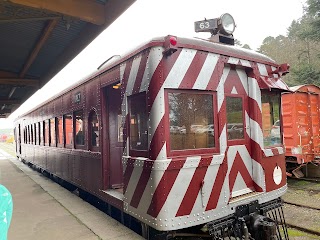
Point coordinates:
[(205, 25)]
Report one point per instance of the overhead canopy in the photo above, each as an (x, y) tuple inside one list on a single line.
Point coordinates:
[(39, 37)]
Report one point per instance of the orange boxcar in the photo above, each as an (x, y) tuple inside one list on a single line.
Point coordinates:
[(300, 115)]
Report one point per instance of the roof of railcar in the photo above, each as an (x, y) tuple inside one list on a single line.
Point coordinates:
[(306, 88), (199, 44), (191, 43)]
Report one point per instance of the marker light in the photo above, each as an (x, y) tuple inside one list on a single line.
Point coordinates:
[(173, 41), (227, 24)]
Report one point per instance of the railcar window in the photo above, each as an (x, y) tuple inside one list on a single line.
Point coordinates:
[(79, 127), (138, 122), (46, 132), (27, 134), (68, 129), (191, 120), (40, 133), (31, 134), (94, 129), (271, 119), (59, 130), (234, 118), (52, 133), (35, 133)]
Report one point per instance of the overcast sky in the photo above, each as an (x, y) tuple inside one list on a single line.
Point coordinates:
[(145, 19)]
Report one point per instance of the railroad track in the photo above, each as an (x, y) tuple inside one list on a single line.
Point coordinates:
[(302, 206), (302, 209), (317, 180), (301, 227)]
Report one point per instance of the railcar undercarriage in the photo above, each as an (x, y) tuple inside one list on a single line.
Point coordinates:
[(250, 221)]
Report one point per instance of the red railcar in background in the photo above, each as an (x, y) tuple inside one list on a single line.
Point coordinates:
[(301, 128), (171, 136)]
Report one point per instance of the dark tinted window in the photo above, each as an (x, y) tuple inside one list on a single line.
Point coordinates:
[(138, 122)]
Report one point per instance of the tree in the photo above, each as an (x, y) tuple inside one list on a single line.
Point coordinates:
[(313, 12), (300, 48), (306, 74), (238, 43)]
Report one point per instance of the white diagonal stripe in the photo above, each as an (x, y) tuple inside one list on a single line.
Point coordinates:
[(209, 180), (179, 188), (133, 182), (243, 78), (254, 91), (220, 88), (153, 61), (122, 68), (206, 71), (223, 140), (258, 174), (245, 63), (255, 131), (133, 75), (233, 60), (262, 69), (153, 182)]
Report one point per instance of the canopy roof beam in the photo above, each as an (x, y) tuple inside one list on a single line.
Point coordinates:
[(20, 82), (85, 10)]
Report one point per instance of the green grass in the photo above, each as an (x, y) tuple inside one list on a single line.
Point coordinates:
[(296, 233)]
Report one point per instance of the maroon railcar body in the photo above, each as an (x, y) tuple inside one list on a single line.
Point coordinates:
[(132, 144)]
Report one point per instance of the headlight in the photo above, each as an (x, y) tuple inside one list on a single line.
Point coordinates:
[(296, 150), (227, 23)]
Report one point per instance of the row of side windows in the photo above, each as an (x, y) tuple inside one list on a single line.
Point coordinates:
[(65, 131)]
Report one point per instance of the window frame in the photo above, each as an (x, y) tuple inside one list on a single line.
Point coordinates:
[(79, 146), (29, 135), (35, 134), (93, 148), (197, 151), (237, 141), (68, 145), (59, 131), (47, 133), (270, 94), (136, 152), (39, 133), (54, 133)]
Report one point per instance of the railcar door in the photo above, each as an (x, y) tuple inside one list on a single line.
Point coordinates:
[(115, 137), (240, 171)]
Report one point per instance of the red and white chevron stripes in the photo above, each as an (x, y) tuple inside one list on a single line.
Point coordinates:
[(171, 192)]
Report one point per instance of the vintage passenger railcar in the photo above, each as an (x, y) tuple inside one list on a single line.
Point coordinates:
[(172, 135), (301, 127)]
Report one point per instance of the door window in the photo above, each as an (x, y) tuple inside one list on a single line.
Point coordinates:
[(235, 118), (138, 122)]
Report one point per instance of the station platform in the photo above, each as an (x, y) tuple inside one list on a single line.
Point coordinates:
[(42, 209)]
